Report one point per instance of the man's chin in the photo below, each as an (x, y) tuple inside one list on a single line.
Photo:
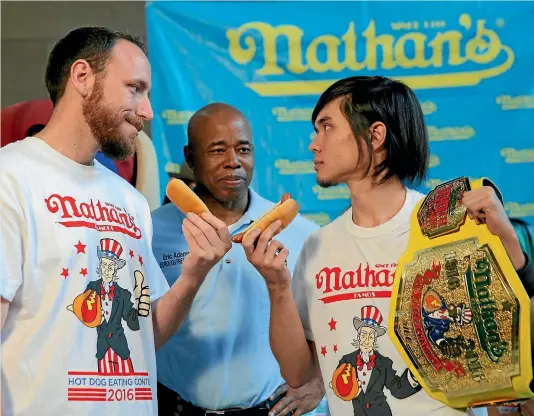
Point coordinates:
[(119, 152), (325, 183)]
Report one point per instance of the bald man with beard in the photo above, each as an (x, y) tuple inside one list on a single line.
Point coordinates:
[(220, 359)]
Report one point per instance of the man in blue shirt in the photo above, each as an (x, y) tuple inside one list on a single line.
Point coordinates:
[(220, 359)]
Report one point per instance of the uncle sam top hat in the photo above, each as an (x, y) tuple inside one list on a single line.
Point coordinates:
[(112, 250), (371, 318)]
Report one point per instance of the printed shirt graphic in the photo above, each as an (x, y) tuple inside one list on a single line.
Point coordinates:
[(78, 337), (342, 286)]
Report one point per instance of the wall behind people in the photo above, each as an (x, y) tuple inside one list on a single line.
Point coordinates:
[(470, 64), (30, 29)]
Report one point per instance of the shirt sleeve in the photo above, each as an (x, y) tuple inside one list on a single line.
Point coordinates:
[(158, 284), (11, 238), (298, 287)]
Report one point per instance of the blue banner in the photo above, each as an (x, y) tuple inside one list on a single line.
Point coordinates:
[(471, 65)]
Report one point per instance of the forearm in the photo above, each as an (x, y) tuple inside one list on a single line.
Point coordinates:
[(515, 252), (172, 308), (526, 275), (522, 264), (288, 341)]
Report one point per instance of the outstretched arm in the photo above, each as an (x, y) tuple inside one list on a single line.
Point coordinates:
[(209, 240), (288, 341)]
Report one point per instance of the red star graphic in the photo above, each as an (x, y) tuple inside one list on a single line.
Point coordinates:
[(65, 273), (141, 260), (323, 350), (332, 324), (80, 248), (335, 347), (83, 272), (131, 254)]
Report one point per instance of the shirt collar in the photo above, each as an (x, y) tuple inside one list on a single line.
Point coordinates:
[(257, 206)]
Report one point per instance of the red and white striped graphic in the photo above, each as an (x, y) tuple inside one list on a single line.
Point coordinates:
[(371, 313), (143, 393), (111, 246), (98, 394), (86, 394), (112, 364)]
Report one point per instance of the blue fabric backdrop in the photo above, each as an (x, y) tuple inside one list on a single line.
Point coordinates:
[(471, 65)]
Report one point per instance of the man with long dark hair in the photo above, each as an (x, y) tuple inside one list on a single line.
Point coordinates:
[(371, 136)]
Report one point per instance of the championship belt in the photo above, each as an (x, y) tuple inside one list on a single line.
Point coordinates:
[(460, 314)]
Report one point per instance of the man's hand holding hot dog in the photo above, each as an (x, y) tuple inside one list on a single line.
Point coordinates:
[(207, 236), (208, 239), (268, 256)]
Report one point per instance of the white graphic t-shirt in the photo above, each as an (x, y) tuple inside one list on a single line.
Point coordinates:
[(342, 287), (75, 258)]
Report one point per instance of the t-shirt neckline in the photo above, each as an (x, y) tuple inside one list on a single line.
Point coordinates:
[(399, 222), (62, 160)]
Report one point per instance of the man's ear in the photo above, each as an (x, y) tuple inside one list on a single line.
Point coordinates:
[(188, 154), (82, 77), (377, 133)]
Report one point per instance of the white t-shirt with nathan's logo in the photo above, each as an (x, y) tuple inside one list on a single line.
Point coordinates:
[(342, 286), (75, 255)]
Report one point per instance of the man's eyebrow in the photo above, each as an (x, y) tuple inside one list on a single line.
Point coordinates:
[(141, 83), (321, 121), (216, 143)]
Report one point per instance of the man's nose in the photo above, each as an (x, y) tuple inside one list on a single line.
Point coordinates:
[(314, 145), (233, 159), (144, 109)]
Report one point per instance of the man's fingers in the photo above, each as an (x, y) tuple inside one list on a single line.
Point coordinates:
[(267, 235), (190, 238), (264, 238), (273, 249), (281, 259), (200, 235), (249, 242), (219, 226), (281, 405), (202, 230), (279, 391), (289, 408), (480, 199)]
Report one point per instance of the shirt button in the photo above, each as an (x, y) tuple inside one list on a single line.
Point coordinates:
[(228, 261), (364, 373), (363, 382)]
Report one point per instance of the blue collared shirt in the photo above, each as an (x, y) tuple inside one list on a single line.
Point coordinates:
[(221, 356)]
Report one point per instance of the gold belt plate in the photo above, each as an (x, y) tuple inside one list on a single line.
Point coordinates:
[(460, 314)]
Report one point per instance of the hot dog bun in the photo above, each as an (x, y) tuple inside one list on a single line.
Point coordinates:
[(184, 198), (286, 210)]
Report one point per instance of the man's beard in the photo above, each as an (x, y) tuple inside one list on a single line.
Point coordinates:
[(366, 355), (325, 184), (105, 125)]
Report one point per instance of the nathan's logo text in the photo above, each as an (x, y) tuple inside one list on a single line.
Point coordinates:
[(371, 282), (97, 215), (469, 43), (478, 281)]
